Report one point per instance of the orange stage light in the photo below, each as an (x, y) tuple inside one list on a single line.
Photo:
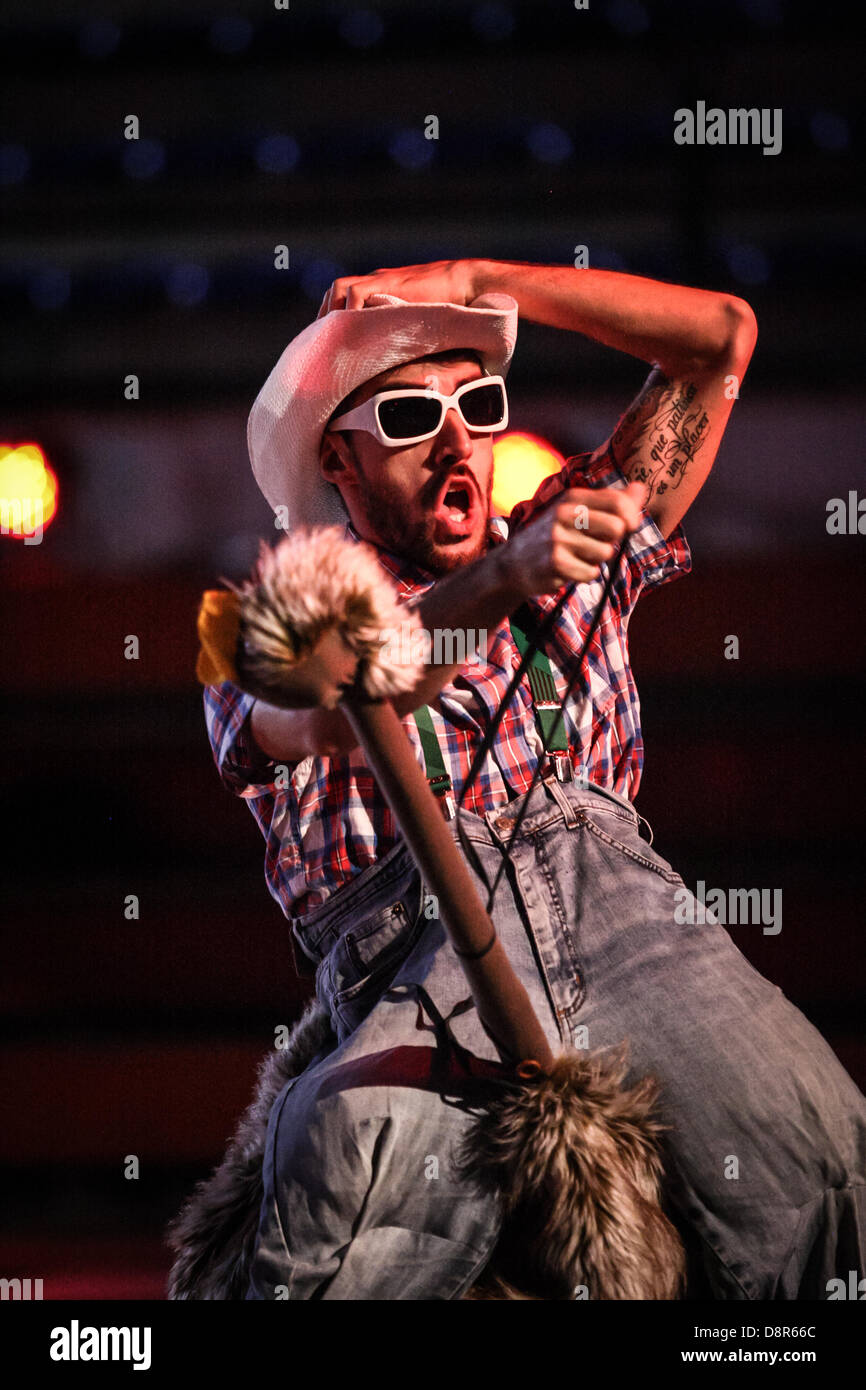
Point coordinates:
[(520, 463), (28, 492)]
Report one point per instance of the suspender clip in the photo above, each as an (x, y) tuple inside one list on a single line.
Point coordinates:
[(561, 764), (440, 785)]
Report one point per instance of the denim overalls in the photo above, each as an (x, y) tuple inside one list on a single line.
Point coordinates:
[(765, 1157)]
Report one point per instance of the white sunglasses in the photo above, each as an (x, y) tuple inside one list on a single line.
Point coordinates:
[(412, 413)]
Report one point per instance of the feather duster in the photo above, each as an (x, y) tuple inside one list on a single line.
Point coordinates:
[(316, 610)]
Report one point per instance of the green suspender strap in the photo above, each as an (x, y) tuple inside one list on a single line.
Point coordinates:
[(547, 717), (437, 776), (544, 698)]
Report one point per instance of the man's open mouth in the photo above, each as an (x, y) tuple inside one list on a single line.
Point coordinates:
[(457, 502), (456, 507)]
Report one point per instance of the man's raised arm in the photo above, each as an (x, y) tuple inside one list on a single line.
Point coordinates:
[(699, 343), (539, 558)]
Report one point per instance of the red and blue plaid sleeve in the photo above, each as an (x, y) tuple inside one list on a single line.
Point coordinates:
[(651, 558), (240, 764)]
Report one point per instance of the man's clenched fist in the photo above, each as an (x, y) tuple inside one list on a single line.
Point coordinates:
[(571, 538)]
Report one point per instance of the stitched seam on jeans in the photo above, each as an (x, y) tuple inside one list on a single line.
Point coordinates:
[(750, 1297), (279, 1224), (479, 1268), (537, 953), (682, 1211), (669, 875), (273, 1184), (569, 1010), (611, 810), (810, 1202)]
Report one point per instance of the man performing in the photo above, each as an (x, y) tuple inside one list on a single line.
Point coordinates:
[(381, 416)]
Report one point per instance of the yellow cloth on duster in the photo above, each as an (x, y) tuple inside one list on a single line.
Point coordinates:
[(218, 625)]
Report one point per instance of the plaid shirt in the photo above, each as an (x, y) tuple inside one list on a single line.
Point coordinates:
[(324, 819)]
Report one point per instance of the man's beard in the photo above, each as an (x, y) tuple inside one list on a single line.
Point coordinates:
[(415, 540)]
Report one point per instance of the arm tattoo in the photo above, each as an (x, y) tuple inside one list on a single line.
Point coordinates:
[(659, 436)]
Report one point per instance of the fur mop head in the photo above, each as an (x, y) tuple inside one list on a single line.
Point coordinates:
[(316, 582), (574, 1160)]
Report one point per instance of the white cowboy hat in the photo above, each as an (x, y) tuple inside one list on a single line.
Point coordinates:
[(334, 355)]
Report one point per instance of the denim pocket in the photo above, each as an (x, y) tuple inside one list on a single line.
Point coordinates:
[(627, 841), (370, 949), (366, 958)]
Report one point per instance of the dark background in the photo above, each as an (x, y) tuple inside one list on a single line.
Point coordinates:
[(305, 128)]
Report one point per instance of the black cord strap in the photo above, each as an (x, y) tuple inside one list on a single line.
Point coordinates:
[(538, 640), (476, 955), (486, 744), (591, 631)]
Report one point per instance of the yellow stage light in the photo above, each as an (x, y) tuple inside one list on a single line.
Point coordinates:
[(28, 492), (521, 462)]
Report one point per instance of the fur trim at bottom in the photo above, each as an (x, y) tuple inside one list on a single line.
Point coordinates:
[(572, 1157), (574, 1160), (214, 1235)]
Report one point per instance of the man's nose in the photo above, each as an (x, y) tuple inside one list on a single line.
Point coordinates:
[(453, 439)]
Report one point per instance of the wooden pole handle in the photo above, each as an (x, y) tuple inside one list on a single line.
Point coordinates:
[(503, 1004)]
